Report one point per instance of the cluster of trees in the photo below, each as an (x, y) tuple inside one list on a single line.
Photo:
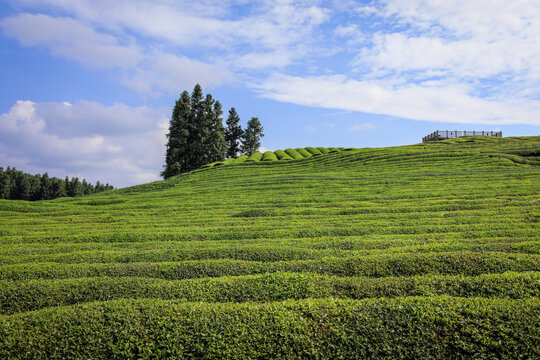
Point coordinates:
[(197, 135), (17, 185)]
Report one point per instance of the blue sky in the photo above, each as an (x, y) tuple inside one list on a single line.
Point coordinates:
[(87, 86)]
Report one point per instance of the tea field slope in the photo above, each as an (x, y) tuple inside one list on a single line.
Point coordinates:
[(422, 251)]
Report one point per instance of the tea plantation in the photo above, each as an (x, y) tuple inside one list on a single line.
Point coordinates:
[(423, 251)]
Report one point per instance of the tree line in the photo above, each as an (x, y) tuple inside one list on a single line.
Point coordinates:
[(197, 136), (17, 185)]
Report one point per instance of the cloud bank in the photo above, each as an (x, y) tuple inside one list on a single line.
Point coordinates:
[(116, 144), (460, 61)]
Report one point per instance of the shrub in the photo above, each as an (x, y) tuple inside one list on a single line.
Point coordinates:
[(256, 156), (313, 151), (37, 294), (241, 159), (323, 150), (413, 328), (304, 152), (282, 155), (254, 213), (269, 156), (294, 154)]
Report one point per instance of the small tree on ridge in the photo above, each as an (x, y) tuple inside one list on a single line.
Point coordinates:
[(251, 140), (233, 134)]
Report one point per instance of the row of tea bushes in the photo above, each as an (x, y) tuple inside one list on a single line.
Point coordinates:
[(278, 155), (404, 328), (452, 263), (32, 295)]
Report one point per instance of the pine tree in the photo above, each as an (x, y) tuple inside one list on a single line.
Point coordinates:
[(233, 134), (205, 136), (176, 158), (22, 187), (197, 130), (5, 184), (216, 141), (58, 188), (251, 140), (45, 192), (34, 184)]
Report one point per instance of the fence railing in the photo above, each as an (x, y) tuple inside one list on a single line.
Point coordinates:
[(449, 134)]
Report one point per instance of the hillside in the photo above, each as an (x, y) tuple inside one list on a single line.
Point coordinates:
[(421, 251)]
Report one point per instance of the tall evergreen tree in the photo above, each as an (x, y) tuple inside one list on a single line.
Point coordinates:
[(35, 187), (217, 143), (22, 187), (205, 132), (5, 184), (197, 130), (45, 192), (233, 134), (176, 158), (251, 140), (58, 188)]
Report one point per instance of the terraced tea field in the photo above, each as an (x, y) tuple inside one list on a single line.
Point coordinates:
[(421, 251)]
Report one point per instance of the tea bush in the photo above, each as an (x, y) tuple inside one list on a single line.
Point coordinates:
[(269, 156)]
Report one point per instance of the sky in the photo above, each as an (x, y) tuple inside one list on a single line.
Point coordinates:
[(87, 86)]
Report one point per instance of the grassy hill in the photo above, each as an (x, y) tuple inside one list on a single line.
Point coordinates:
[(422, 251)]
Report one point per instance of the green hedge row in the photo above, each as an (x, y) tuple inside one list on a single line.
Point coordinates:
[(256, 156), (31, 252), (269, 156), (304, 152), (464, 263), (323, 150), (239, 252), (282, 155), (292, 227), (20, 296), (405, 328), (241, 159), (313, 151), (260, 251), (294, 154), (287, 154)]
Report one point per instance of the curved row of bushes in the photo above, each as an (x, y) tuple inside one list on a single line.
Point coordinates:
[(412, 328), (464, 263), (287, 154), (302, 249), (20, 296)]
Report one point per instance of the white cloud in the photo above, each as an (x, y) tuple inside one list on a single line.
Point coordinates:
[(263, 27), (71, 39), (459, 62), (169, 73), (87, 118), (142, 69), (489, 44), (466, 58), (361, 127), (456, 61), (43, 136), (489, 19), (438, 102), (262, 60)]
